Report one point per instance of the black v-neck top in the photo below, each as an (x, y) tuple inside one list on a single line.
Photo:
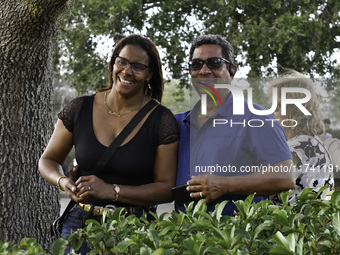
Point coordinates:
[(133, 162)]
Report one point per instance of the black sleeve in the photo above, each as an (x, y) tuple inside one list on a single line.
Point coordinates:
[(70, 113), (168, 129)]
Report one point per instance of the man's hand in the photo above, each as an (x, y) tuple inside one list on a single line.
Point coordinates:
[(206, 186), (211, 187)]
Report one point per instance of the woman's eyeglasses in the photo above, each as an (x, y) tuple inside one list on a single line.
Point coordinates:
[(212, 63), (136, 67)]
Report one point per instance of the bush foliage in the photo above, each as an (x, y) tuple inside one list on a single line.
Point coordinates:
[(310, 227)]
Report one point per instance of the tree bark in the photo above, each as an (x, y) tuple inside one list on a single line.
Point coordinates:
[(28, 30)]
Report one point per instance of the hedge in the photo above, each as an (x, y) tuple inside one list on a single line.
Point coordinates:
[(310, 227)]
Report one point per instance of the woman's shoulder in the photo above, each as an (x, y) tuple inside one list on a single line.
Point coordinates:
[(304, 139), (302, 143), (81, 99), (161, 106), (168, 131), (163, 110), (70, 113)]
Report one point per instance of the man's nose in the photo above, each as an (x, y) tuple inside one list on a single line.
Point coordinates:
[(205, 70)]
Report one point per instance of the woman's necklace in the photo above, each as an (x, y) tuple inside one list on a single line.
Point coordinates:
[(117, 114)]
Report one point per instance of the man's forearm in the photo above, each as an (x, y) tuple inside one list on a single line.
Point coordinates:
[(263, 183)]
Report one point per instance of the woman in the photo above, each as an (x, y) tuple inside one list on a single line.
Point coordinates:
[(312, 162), (142, 171)]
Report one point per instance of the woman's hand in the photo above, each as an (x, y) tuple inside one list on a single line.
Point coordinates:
[(68, 184), (69, 187), (92, 186), (73, 174)]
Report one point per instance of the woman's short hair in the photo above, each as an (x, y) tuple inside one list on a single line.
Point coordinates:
[(155, 64), (306, 124)]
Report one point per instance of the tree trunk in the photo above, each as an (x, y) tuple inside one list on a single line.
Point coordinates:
[(28, 204)]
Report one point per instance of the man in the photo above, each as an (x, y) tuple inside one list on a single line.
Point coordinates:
[(206, 147), (333, 146), (327, 124)]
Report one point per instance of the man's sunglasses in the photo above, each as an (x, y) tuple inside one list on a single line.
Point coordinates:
[(136, 67), (212, 63)]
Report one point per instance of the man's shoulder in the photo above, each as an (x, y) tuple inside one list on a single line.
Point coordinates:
[(256, 111), (182, 115)]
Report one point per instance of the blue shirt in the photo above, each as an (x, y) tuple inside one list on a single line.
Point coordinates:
[(234, 145)]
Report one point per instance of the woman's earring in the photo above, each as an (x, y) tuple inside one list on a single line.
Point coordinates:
[(149, 86)]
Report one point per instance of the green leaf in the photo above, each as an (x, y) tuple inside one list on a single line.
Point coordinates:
[(154, 237), (109, 241), (322, 189), (59, 246), (200, 225), (336, 223), (204, 215), (116, 214), (266, 225), (291, 241), (219, 233), (281, 217), (212, 250), (77, 242), (93, 222), (100, 235), (162, 251), (278, 250), (335, 199), (155, 215), (326, 243), (26, 242), (165, 230), (263, 244), (280, 240), (162, 216), (219, 209), (244, 206), (312, 229), (285, 197), (299, 248), (200, 206), (7, 246), (145, 251), (288, 230), (189, 208), (307, 194), (189, 244)]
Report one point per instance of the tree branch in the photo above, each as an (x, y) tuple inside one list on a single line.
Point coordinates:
[(147, 4)]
